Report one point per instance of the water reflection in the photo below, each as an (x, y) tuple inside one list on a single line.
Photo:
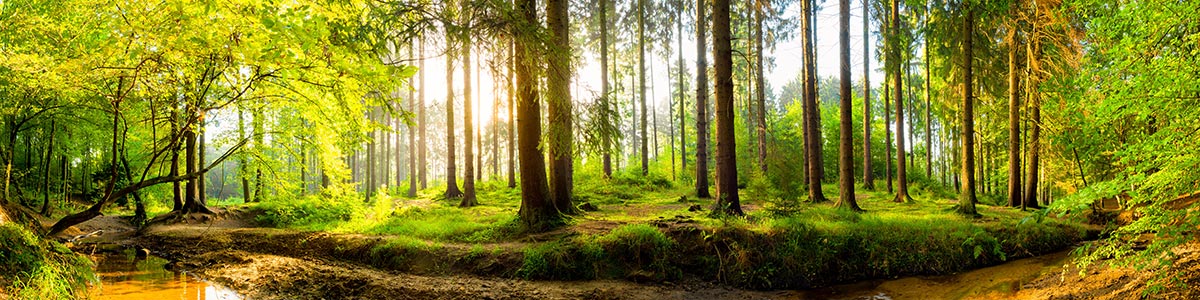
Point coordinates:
[(127, 277)]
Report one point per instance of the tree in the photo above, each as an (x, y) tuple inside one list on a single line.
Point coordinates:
[(701, 101), (421, 147), (727, 193), (868, 171), (759, 87), (1014, 121), (452, 190), (641, 27), (901, 171), (512, 165), (812, 131), (558, 81), (606, 147), (468, 198), (1035, 113), (537, 208), (846, 145), (966, 196)]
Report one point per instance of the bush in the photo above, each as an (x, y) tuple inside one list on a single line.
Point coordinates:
[(310, 211)]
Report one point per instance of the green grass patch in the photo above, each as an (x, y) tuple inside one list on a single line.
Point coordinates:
[(33, 268)]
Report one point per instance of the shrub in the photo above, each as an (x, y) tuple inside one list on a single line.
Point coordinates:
[(41, 269)]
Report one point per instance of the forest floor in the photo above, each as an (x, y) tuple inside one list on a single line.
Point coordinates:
[(419, 251)]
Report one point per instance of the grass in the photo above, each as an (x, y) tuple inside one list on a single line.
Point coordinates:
[(33, 268), (779, 244)]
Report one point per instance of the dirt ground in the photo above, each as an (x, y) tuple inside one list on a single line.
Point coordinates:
[(264, 263)]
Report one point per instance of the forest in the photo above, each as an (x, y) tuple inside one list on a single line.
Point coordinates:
[(599, 149)]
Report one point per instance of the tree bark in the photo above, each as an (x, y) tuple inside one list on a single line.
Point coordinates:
[(812, 135), (1035, 143), (901, 170), (422, 164), (682, 114), (558, 80), (846, 198), (606, 147), (727, 193), (760, 89), (452, 190), (537, 211), (966, 197), (468, 199), (641, 11), (46, 178), (512, 165), (868, 171), (701, 102)]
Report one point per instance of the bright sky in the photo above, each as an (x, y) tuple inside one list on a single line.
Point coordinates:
[(787, 56)]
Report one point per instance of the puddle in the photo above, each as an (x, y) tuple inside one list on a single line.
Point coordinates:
[(123, 276)]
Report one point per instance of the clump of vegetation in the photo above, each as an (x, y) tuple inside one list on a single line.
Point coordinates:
[(34, 268), (313, 211)]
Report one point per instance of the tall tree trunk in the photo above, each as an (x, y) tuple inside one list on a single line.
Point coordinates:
[(682, 114), (422, 164), (372, 136), (701, 102), (176, 189), (452, 190), (901, 171), (868, 171), (243, 168), (478, 131), (46, 178), (846, 145), (642, 82), (1035, 111), (201, 182), (512, 164), (928, 108), (966, 197), (191, 198), (606, 146), (259, 134), (760, 88), (812, 135), (468, 198), (727, 193), (537, 208), (887, 124), (558, 81)]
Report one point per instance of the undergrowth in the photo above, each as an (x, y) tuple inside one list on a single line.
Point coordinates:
[(32, 268)]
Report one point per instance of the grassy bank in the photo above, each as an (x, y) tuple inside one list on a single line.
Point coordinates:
[(648, 230), (34, 268)]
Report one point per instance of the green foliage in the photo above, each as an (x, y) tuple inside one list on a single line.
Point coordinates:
[(38, 269), (310, 211)]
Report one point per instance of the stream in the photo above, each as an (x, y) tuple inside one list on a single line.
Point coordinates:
[(127, 277)]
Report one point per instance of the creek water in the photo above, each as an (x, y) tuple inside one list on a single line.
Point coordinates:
[(125, 276), (995, 282)]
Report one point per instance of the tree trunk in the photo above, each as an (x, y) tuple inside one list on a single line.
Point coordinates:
[(682, 114), (642, 83), (537, 208), (176, 189), (412, 142), (868, 171), (191, 196), (243, 169), (468, 199), (901, 170), (760, 90), (966, 197), (846, 198), (701, 102), (727, 193), (258, 144), (606, 146), (558, 80), (46, 176), (422, 163), (512, 164), (1035, 111), (812, 135), (452, 190), (928, 108), (887, 124)]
